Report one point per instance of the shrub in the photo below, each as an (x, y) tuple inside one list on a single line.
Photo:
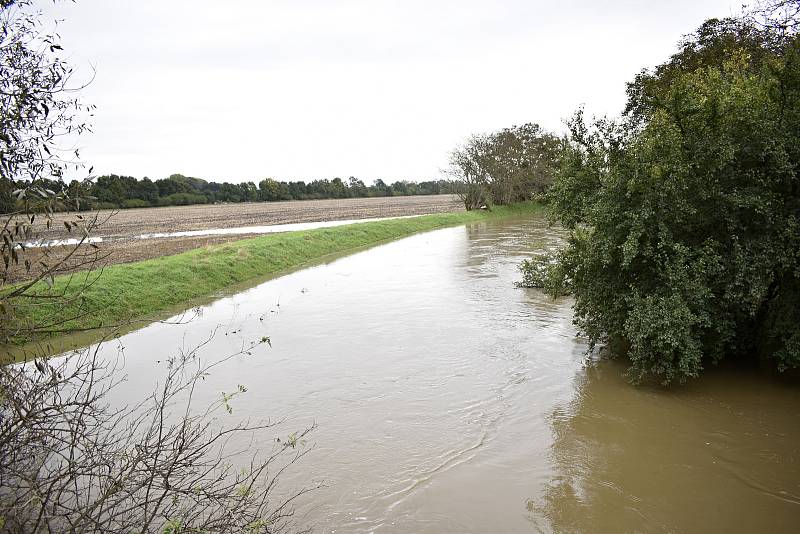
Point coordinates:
[(135, 203)]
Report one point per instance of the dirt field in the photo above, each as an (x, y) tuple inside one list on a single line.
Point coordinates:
[(121, 227), (133, 222)]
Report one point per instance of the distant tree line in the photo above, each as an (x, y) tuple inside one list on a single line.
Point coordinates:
[(115, 191)]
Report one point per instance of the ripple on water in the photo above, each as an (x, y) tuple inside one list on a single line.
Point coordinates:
[(446, 399)]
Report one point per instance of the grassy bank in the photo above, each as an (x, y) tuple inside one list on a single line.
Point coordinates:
[(148, 288)]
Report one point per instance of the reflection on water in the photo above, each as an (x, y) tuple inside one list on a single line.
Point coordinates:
[(448, 400), (721, 454)]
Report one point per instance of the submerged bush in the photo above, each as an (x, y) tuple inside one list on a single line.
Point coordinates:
[(685, 214), (545, 271)]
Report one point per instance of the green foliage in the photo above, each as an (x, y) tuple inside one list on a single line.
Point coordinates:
[(271, 190), (509, 165), (709, 46), (686, 213), (39, 110), (182, 199), (173, 526), (7, 202), (546, 271), (135, 203), (116, 191)]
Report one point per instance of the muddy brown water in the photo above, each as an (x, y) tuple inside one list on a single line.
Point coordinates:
[(446, 400)]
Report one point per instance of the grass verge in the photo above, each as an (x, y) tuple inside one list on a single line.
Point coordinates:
[(141, 290)]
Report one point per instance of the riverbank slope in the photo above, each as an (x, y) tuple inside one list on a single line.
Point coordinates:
[(127, 235), (140, 291)]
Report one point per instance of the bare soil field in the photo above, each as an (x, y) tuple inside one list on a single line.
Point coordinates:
[(133, 222), (120, 228)]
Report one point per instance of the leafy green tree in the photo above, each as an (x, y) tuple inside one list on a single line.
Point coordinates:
[(524, 162), (380, 189), (147, 191), (269, 190), (249, 192), (168, 187), (685, 215), (114, 189), (337, 189), (356, 187), (298, 190), (429, 188), (38, 111), (229, 193), (125, 191), (400, 188), (709, 46), (509, 165)]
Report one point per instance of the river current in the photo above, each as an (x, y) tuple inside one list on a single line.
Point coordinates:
[(446, 399)]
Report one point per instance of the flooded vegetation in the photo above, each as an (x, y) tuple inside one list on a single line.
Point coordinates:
[(593, 328), (445, 399)]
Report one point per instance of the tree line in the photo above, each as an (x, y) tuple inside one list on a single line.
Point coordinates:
[(509, 165), (115, 191)]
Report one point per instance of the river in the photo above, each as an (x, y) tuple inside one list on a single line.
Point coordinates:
[(446, 399)]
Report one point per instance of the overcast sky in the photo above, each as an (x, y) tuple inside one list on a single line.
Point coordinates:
[(294, 89)]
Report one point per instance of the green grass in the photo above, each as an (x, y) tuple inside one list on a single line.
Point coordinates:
[(143, 290)]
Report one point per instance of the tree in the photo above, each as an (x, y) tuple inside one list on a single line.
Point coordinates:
[(38, 110), (147, 190), (167, 187), (356, 187), (71, 462), (114, 189), (230, 193), (269, 190), (400, 188), (7, 202), (709, 46), (337, 189), (469, 168), (525, 160), (70, 459), (380, 189), (297, 190), (506, 166), (685, 214), (249, 192)]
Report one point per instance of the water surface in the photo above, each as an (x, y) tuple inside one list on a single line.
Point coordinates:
[(448, 400)]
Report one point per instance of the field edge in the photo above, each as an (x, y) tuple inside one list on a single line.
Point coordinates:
[(128, 296)]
